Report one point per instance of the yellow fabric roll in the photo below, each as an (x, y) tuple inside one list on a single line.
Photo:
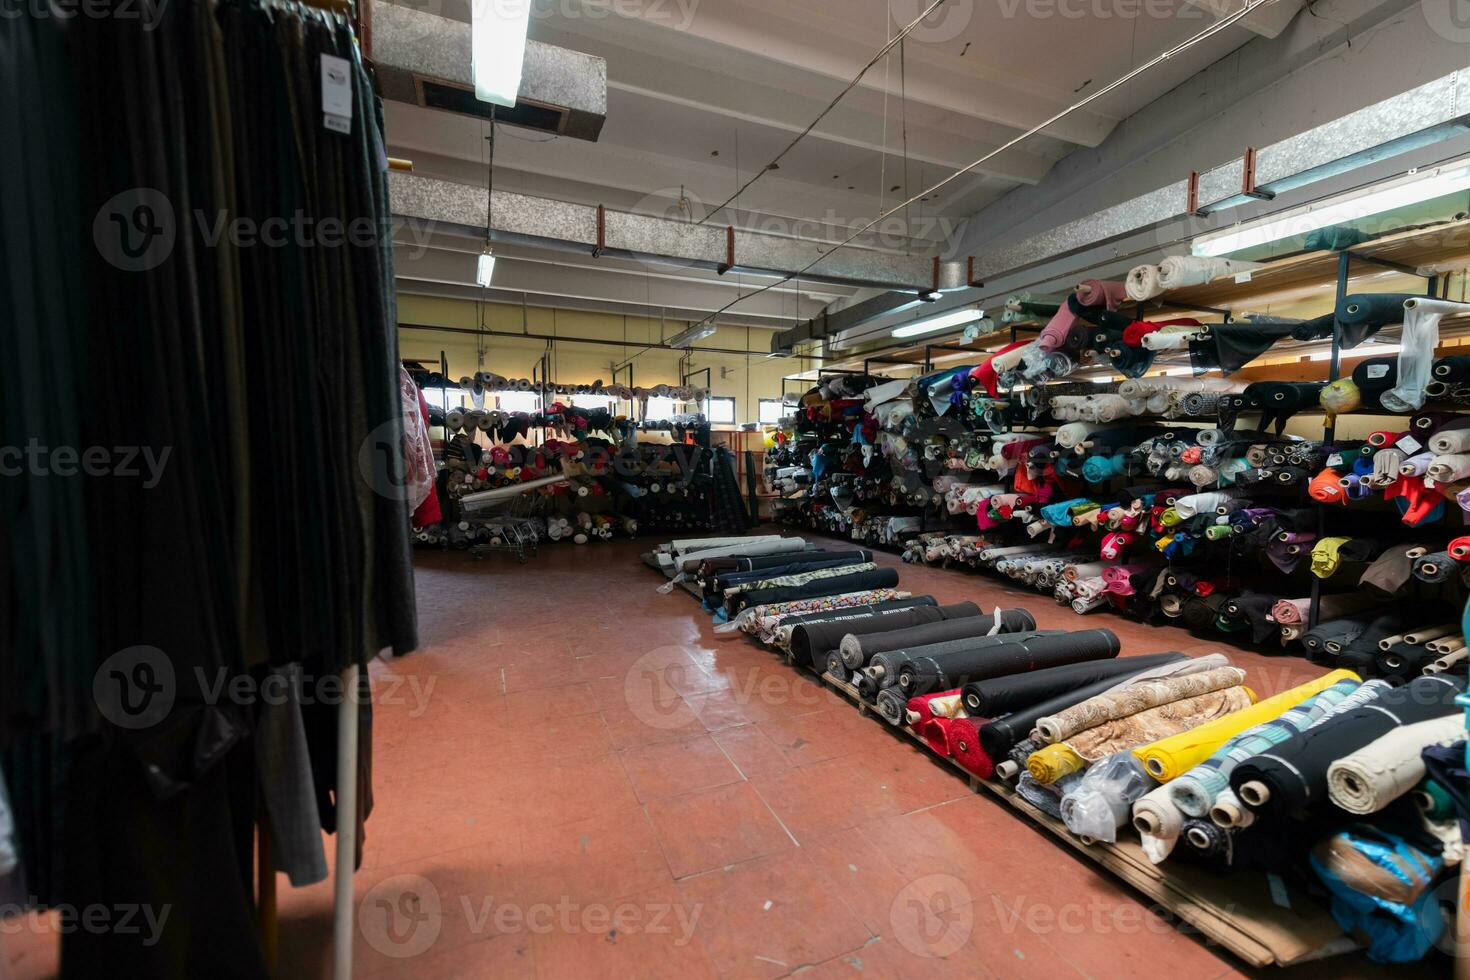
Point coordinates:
[(1051, 763), (1171, 757)]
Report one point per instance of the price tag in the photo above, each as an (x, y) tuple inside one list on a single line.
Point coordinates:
[(1242, 277), (1335, 460), (336, 94), (1408, 445), (1375, 371)]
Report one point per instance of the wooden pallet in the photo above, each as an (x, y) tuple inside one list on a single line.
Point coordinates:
[(1240, 911)]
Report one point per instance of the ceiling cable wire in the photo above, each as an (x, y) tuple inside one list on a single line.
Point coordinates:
[(1229, 19), (830, 106)]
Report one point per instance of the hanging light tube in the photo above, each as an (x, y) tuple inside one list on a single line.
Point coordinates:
[(1334, 211), (498, 48), (943, 321)]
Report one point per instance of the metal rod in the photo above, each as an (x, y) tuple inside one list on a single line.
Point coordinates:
[(343, 906), (587, 340)]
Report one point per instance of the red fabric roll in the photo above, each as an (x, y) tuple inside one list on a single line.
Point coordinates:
[(1459, 549), (964, 746), (920, 707), (1116, 545), (1326, 488), (935, 734), (986, 374)]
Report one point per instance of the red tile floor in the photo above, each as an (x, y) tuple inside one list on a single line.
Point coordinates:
[(576, 778)]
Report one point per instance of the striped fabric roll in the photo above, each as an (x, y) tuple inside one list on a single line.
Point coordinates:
[(1195, 791)]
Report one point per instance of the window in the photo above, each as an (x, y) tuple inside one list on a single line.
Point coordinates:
[(722, 411), (593, 401), (771, 411), (659, 409), (519, 401)]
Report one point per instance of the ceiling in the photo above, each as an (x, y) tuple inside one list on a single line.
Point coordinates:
[(702, 94)]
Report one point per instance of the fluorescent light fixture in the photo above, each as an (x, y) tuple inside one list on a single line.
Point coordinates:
[(485, 271), (1369, 350), (498, 48), (954, 318), (697, 332), (1334, 211)]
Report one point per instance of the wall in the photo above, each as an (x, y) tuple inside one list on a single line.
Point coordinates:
[(1337, 56), (747, 377)]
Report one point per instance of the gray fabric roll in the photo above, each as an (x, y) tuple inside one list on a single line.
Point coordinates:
[(893, 706), (858, 650)]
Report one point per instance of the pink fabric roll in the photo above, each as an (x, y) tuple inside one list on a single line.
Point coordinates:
[(1102, 292), (1290, 611)]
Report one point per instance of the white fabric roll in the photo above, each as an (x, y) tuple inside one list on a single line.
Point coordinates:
[(1416, 359), (1143, 282), (1448, 442), (1069, 435), (1388, 767), (885, 392), (1200, 503), (1169, 339), (1448, 469), (1416, 465), (1195, 270)]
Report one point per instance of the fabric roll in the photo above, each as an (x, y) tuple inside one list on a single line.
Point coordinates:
[(1143, 283), (1433, 800), (1391, 765), (812, 639), (1416, 358), (1196, 791), (942, 704), (1373, 377), (1052, 762), (1178, 271), (858, 648), (891, 704), (1046, 797), (1134, 699), (962, 742), (1454, 438), (1434, 568), (1158, 822), (1227, 811), (1155, 724), (976, 660), (1293, 775), (1170, 758), (935, 733), (878, 578), (1003, 695), (1449, 469), (837, 669)]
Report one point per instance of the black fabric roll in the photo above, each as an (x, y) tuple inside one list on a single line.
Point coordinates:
[(1318, 329), (860, 649), (1001, 734), (877, 578), (997, 656), (810, 641), (1364, 314), (1452, 369), (1231, 346), (1403, 660), (1003, 695), (726, 580), (735, 563), (1199, 614), (837, 668), (1375, 375), (1252, 609), (1292, 776), (832, 615), (1280, 400)]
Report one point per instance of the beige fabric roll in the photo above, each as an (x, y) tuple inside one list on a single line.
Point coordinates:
[(1388, 767), (1149, 726), (1133, 699)]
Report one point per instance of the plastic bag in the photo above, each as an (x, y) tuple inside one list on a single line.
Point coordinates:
[(418, 449), (1103, 800)]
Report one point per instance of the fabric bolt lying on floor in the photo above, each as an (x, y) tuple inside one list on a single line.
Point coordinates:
[(1173, 748)]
